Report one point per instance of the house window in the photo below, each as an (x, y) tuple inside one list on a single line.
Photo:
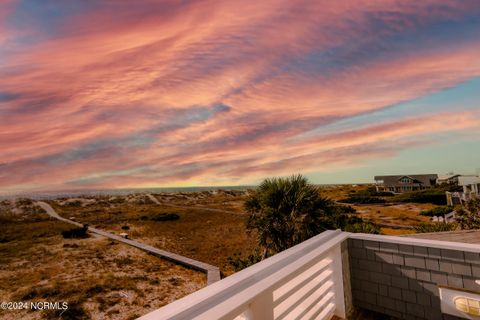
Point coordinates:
[(405, 180)]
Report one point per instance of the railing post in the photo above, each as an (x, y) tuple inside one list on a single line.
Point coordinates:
[(337, 274), (261, 308)]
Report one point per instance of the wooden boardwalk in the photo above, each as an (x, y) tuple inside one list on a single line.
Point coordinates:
[(213, 273)]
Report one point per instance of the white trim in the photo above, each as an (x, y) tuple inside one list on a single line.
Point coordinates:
[(447, 301), (265, 290), (232, 295), (418, 242)]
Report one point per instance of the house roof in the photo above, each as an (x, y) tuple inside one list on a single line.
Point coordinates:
[(393, 180), (466, 180), (448, 177)]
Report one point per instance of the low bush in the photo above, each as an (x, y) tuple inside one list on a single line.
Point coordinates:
[(359, 225), (75, 311), (435, 227), (176, 281), (468, 215), (75, 204), (77, 233), (161, 217), (437, 211), (166, 217), (372, 192), (435, 195), (368, 196), (239, 263), (363, 199), (345, 209), (363, 227)]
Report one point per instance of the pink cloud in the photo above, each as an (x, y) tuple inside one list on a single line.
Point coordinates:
[(119, 79)]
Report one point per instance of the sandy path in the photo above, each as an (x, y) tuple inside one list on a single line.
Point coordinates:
[(50, 211)]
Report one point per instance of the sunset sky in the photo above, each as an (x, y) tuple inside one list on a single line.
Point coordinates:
[(120, 94)]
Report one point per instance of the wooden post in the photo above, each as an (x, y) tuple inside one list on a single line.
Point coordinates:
[(338, 281)]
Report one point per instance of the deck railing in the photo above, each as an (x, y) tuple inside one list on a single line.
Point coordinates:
[(454, 198), (303, 282)]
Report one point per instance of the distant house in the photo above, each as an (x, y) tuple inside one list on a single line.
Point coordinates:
[(470, 184), (471, 189), (405, 183), (448, 179)]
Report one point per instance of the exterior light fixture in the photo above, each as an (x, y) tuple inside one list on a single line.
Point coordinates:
[(467, 305)]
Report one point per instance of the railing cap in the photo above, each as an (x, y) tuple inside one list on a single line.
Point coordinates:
[(440, 244)]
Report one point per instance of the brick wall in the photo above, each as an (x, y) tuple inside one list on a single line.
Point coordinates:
[(402, 280)]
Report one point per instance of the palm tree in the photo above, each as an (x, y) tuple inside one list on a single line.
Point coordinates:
[(287, 211)]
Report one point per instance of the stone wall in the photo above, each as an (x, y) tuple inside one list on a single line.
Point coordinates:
[(402, 280)]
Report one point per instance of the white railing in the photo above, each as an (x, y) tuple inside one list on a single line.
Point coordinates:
[(450, 217), (461, 196), (303, 282)]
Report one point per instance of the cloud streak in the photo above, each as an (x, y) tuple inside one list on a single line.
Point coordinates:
[(169, 93)]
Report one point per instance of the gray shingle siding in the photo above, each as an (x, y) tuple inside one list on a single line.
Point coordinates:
[(402, 280)]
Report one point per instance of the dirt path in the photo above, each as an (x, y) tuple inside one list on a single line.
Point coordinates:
[(213, 273)]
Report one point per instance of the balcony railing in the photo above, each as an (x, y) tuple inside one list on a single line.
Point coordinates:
[(303, 282), (454, 198)]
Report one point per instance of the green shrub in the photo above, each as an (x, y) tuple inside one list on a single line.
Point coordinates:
[(468, 215), (451, 187), (437, 211), (359, 225), (363, 227), (161, 217), (435, 227), (239, 263), (76, 203), (435, 196), (363, 199), (165, 217), (345, 209), (372, 192), (78, 233)]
